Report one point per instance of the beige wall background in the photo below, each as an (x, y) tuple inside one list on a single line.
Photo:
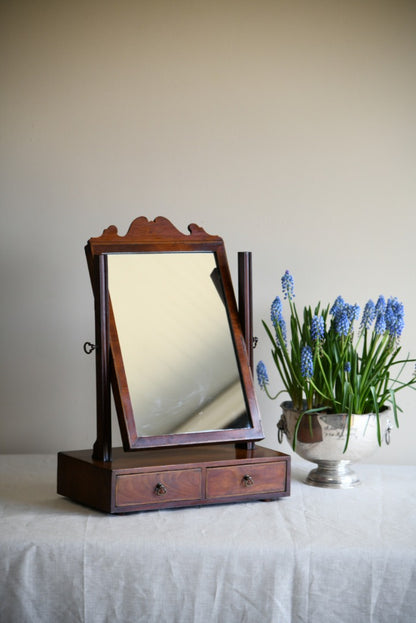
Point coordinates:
[(286, 127)]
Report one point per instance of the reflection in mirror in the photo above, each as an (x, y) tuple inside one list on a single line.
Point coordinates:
[(176, 343)]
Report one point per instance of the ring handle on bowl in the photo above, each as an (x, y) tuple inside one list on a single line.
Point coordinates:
[(387, 433), (281, 429)]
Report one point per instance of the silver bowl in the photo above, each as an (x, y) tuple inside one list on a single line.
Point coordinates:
[(321, 439)]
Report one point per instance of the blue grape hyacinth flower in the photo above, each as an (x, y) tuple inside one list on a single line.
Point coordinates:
[(368, 316), (306, 362), (288, 286), (262, 376), (282, 324), (380, 305), (342, 323), (380, 326), (276, 309), (317, 328), (344, 315), (278, 320), (394, 318), (338, 306)]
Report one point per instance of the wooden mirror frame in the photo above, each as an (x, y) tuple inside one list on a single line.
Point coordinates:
[(159, 236)]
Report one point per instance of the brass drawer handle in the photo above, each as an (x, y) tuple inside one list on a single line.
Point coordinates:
[(160, 489), (248, 481)]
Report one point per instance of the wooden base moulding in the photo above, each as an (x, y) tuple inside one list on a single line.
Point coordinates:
[(173, 477)]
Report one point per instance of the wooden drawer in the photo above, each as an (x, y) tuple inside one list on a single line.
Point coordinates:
[(158, 487), (246, 479)]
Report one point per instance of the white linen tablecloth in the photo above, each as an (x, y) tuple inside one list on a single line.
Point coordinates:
[(318, 556)]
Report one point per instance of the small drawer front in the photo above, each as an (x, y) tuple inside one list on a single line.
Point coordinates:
[(158, 487), (246, 479)]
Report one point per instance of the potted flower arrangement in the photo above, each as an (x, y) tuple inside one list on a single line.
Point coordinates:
[(330, 368)]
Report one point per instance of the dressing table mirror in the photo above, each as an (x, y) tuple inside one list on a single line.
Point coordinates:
[(176, 352)]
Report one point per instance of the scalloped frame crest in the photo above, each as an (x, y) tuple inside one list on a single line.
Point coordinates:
[(143, 231)]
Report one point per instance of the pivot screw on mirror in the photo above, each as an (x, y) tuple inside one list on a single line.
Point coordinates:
[(88, 348)]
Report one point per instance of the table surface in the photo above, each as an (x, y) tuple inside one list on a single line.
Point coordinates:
[(319, 555)]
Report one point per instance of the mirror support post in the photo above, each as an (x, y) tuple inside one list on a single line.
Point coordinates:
[(102, 445), (245, 304), (245, 312)]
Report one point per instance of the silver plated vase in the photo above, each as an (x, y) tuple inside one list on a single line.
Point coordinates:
[(321, 439)]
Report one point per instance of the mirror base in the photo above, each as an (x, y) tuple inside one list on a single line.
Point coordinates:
[(173, 477)]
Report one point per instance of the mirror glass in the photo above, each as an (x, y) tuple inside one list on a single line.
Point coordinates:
[(176, 343)]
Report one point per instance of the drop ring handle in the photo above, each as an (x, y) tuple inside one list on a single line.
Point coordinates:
[(160, 489), (281, 429), (248, 480)]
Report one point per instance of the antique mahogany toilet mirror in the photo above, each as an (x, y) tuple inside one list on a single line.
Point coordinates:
[(177, 354)]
